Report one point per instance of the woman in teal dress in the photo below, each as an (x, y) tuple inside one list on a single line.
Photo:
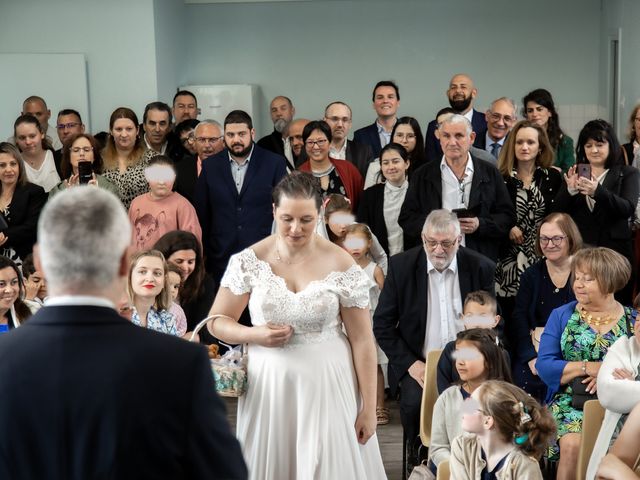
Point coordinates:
[(576, 338)]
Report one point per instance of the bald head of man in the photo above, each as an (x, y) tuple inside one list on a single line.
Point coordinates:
[(37, 107), (294, 133), (461, 93)]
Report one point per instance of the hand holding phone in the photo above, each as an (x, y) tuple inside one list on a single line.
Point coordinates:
[(584, 170), (85, 172)]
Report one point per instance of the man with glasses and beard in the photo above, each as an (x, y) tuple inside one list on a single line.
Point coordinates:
[(282, 112), (461, 94), (233, 193)]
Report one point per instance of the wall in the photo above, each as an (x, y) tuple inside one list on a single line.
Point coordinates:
[(320, 51), (117, 38), (169, 27)]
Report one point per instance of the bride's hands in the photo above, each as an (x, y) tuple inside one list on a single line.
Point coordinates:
[(366, 425), (271, 335)]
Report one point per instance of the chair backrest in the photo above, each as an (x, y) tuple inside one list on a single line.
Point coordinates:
[(591, 422), (429, 396), (443, 471)]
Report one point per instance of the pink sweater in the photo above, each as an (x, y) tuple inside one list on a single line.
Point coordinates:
[(150, 219)]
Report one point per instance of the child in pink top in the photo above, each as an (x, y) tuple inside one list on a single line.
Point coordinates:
[(160, 210)]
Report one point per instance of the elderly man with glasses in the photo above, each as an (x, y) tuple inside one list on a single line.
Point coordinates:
[(500, 117)]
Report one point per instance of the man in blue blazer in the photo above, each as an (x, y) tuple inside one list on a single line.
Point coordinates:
[(386, 100), (233, 193), (86, 393), (461, 94)]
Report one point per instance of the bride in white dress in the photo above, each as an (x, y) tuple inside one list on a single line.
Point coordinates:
[(309, 411)]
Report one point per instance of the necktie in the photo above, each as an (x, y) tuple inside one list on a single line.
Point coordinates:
[(495, 149)]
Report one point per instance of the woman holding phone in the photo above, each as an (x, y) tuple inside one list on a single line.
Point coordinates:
[(81, 163), (601, 193)]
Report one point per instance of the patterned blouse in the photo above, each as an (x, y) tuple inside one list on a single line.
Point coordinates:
[(132, 182), (161, 321)]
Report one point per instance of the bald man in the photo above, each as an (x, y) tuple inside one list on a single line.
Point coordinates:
[(294, 135), (282, 112), (461, 93), (37, 107)]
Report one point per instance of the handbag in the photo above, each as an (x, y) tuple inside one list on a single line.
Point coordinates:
[(230, 370), (422, 472), (536, 335), (580, 394)]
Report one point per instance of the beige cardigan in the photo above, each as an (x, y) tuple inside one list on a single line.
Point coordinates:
[(466, 462)]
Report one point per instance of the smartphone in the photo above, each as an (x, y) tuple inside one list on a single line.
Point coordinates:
[(85, 171), (463, 213), (584, 170)]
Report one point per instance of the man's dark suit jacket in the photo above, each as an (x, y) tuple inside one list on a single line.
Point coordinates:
[(400, 320), (88, 395), (272, 142), (489, 200), (432, 144), (369, 136), (187, 177), (360, 155), (232, 221)]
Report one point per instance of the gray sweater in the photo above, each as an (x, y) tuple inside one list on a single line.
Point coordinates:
[(446, 424)]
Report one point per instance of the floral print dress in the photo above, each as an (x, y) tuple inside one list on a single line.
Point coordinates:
[(580, 342)]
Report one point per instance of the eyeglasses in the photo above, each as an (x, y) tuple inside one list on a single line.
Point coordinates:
[(82, 149), (402, 136), (496, 117), (319, 143), (187, 139), (445, 244), (62, 126), (204, 140), (557, 240)]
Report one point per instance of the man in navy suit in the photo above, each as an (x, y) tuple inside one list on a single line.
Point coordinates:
[(86, 393), (500, 117), (233, 193), (461, 94), (386, 100)]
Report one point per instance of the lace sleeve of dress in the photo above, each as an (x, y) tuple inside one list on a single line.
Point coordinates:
[(353, 287), (240, 271)]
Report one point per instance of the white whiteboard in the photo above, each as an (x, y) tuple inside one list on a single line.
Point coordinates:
[(59, 78)]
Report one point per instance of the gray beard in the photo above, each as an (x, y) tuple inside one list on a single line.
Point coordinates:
[(280, 124)]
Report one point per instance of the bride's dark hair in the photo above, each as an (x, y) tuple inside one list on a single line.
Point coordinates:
[(298, 185)]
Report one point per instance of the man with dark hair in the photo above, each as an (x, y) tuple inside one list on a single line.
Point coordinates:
[(282, 112), (185, 106), (294, 136), (69, 123), (386, 100), (156, 123), (233, 193), (338, 117), (461, 94)]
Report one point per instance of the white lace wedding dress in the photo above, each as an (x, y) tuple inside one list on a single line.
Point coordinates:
[(297, 419)]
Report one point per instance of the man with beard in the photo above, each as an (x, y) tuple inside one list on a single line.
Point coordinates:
[(282, 111), (461, 94), (233, 193), (386, 100), (294, 135), (338, 116), (420, 307)]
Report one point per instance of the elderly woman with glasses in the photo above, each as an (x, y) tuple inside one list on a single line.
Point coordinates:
[(335, 176), (544, 286)]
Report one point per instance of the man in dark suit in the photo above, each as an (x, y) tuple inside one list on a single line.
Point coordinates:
[(386, 100), (407, 326), (87, 394), (501, 117), (461, 182), (338, 117), (282, 112), (461, 94), (233, 193)]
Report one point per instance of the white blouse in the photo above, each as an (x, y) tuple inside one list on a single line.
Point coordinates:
[(47, 176), (393, 199)]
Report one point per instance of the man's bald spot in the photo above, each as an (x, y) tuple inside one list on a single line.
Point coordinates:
[(34, 99), (462, 78)]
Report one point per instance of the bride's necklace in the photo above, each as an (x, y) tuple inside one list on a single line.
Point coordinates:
[(289, 262)]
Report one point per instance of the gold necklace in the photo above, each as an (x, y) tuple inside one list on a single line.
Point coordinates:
[(289, 262), (595, 321)]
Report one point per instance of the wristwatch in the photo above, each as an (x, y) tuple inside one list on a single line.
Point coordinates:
[(584, 367)]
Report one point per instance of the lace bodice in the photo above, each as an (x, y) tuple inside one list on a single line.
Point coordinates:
[(314, 312)]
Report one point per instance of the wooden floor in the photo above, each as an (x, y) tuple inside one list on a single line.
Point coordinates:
[(389, 438)]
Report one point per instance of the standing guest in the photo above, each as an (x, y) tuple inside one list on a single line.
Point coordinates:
[(186, 140), (335, 176), (39, 164), (525, 164), (13, 310), (124, 156), (337, 217), (544, 286), (540, 108), (20, 205), (197, 288), (68, 124), (233, 193), (295, 129), (506, 434), (148, 291), (380, 204), (282, 112), (501, 116), (630, 149), (576, 338), (126, 400), (35, 285), (81, 148), (156, 122), (303, 367), (185, 106), (603, 200), (161, 210), (386, 100), (36, 106)]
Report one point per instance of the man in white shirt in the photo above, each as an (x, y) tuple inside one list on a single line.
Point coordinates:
[(386, 100), (282, 112), (500, 117), (338, 117), (156, 122)]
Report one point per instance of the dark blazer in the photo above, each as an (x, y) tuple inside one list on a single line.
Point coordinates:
[(187, 177), (399, 322), (489, 199), (432, 144), (616, 199), (371, 212), (27, 202), (360, 155), (87, 394), (628, 153), (272, 142), (232, 221), (369, 136)]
